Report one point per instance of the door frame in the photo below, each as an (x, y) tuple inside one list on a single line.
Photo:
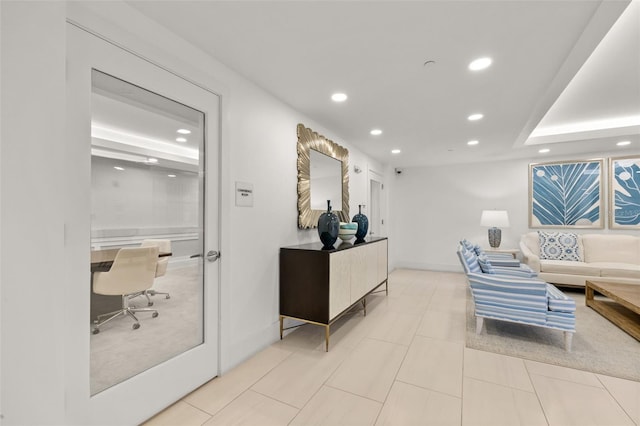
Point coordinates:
[(372, 175), (147, 393)]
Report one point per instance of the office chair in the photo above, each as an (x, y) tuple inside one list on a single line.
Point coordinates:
[(133, 271), (161, 269)]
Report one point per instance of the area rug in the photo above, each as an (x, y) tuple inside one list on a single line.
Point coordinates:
[(598, 345)]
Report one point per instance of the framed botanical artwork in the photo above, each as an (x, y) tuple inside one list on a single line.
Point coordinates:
[(624, 192), (566, 194)]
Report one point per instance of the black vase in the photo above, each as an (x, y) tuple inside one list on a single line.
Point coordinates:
[(363, 225), (328, 227)]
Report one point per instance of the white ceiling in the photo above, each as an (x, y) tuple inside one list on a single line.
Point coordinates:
[(374, 51)]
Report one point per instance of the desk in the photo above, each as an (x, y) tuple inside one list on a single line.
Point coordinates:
[(101, 261)]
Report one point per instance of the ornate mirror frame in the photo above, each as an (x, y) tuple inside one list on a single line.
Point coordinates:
[(310, 140)]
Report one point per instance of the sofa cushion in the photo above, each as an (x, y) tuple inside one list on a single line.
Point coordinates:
[(559, 246), (569, 267), (620, 270), (611, 248)]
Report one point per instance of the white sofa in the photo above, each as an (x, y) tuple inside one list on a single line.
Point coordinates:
[(605, 257)]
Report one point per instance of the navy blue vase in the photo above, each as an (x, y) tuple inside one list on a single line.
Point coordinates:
[(363, 225), (328, 227)]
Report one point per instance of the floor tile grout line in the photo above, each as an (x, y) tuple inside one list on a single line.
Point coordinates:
[(535, 390), (616, 399), (273, 398), (325, 383), (567, 380), (428, 389), (395, 377), (249, 387), (189, 404), (354, 394)]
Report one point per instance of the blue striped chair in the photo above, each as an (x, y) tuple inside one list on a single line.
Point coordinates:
[(518, 299)]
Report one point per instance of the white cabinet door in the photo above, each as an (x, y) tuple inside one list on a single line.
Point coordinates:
[(339, 282), (382, 261), (363, 270)]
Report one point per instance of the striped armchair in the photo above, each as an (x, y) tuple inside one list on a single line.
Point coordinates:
[(517, 299)]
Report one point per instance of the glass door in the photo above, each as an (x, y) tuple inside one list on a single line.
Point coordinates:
[(147, 182), (143, 175)]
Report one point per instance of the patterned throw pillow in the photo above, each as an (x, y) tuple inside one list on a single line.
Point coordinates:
[(485, 265), (559, 246)]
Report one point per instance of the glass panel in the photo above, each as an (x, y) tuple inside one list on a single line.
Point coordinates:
[(147, 170), (325, 181)]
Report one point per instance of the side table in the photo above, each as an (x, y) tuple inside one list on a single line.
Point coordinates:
[(512, 252)]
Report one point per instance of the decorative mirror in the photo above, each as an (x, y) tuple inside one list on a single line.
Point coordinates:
[(323, 174)]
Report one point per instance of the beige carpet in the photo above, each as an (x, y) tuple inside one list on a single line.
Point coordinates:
[(118, 352), (598, 345)]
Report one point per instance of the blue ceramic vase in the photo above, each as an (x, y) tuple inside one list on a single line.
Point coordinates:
[(363, 225), (328, 227)]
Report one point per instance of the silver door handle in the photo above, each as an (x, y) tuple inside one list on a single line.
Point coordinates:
[(213, 255)]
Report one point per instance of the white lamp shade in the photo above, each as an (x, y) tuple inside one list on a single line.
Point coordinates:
[(495, 218)]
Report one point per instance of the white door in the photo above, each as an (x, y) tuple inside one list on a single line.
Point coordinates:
[(142, 163), (376, 203)]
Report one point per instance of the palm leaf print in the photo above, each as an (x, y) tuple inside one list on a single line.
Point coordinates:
[(566, 194), (627, 192)]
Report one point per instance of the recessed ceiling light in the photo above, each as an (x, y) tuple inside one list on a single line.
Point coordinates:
[(395, 151), (338, 97), (376, 132), (118, 168), (544, 150), (152, 160), (184, 131), (623, 143), (171, 175), (475, 117), (474, 142), (480, 64), (181, 139)]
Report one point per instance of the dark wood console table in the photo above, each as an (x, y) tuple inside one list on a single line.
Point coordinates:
[(317, 286)]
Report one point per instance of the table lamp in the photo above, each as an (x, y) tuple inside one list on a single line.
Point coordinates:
[(494, 219)]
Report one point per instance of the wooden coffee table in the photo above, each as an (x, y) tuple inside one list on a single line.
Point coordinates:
[(624, 307)]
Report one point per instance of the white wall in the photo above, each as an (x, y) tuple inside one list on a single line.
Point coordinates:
[(141, 197), (258, 146), (32, 221), (434, 207)]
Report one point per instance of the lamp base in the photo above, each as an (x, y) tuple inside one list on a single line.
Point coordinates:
[(495, 235)]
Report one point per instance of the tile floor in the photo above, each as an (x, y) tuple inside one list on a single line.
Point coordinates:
[(405, 363)]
